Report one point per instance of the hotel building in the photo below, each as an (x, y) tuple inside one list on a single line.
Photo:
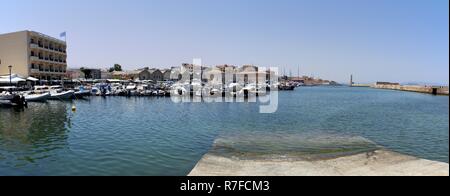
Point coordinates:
[(32, 54)]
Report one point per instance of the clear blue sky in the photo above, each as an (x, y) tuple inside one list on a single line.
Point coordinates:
[(388, 40)]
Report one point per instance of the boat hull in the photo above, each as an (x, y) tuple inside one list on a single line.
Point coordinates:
[(80, 95), (62, 96), (37, 98)]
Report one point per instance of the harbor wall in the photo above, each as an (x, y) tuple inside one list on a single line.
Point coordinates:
[(361, 85), (437, 90)]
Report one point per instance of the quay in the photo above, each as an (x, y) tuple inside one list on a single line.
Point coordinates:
[(375, 163), (434, 90)]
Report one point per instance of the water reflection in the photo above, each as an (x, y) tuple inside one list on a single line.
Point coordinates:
[(32, 133), (296, 146), (154, 136)]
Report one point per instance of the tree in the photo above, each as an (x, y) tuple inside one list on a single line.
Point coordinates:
[(116, 67)]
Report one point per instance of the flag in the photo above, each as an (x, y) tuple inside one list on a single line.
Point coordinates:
[(63, 34)]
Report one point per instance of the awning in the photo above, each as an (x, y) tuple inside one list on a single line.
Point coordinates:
[(15, 80), (32, 79)]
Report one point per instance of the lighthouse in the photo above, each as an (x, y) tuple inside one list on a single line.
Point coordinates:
[(351, 80)]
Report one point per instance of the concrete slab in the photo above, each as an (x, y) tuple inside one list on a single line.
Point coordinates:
[(375, 163)]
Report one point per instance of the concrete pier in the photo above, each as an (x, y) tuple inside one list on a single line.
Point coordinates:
[(375, 163), (435, 90)]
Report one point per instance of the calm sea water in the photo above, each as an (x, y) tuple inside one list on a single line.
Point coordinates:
[(154, 136)]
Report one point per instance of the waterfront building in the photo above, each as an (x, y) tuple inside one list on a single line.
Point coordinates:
[(95, 74), (106, 74), (74, 74), (84, 73), (156, 75), (141, 74), (33, 54), (250, 74), (120, 75), (175, 74), (225, 67), (213, 76), (187, 67), (166, 74), (297, 79)]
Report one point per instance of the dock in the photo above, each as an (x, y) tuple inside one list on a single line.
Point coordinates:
[(375, 163), (434, 90)]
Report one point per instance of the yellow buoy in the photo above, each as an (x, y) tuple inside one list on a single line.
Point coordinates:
[(74, 108)]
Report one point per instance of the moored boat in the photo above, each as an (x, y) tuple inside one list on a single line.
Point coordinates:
[(65, 95), (37, 97), (57, 93), (6, 96), (81, 92)]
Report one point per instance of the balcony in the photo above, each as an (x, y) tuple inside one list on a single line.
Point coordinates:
[(47, 60), (35, 71), (47, 48), (34, 58)]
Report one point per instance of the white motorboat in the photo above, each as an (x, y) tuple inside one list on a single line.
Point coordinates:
[(248, 90), (96, 91), (131, 87), (7, 103), (6, 96), (80, 94), (198, 93), (37, 97), (64, 95), (178, 90)]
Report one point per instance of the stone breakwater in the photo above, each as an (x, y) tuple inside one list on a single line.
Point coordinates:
[(436, 90), (373, 163)]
